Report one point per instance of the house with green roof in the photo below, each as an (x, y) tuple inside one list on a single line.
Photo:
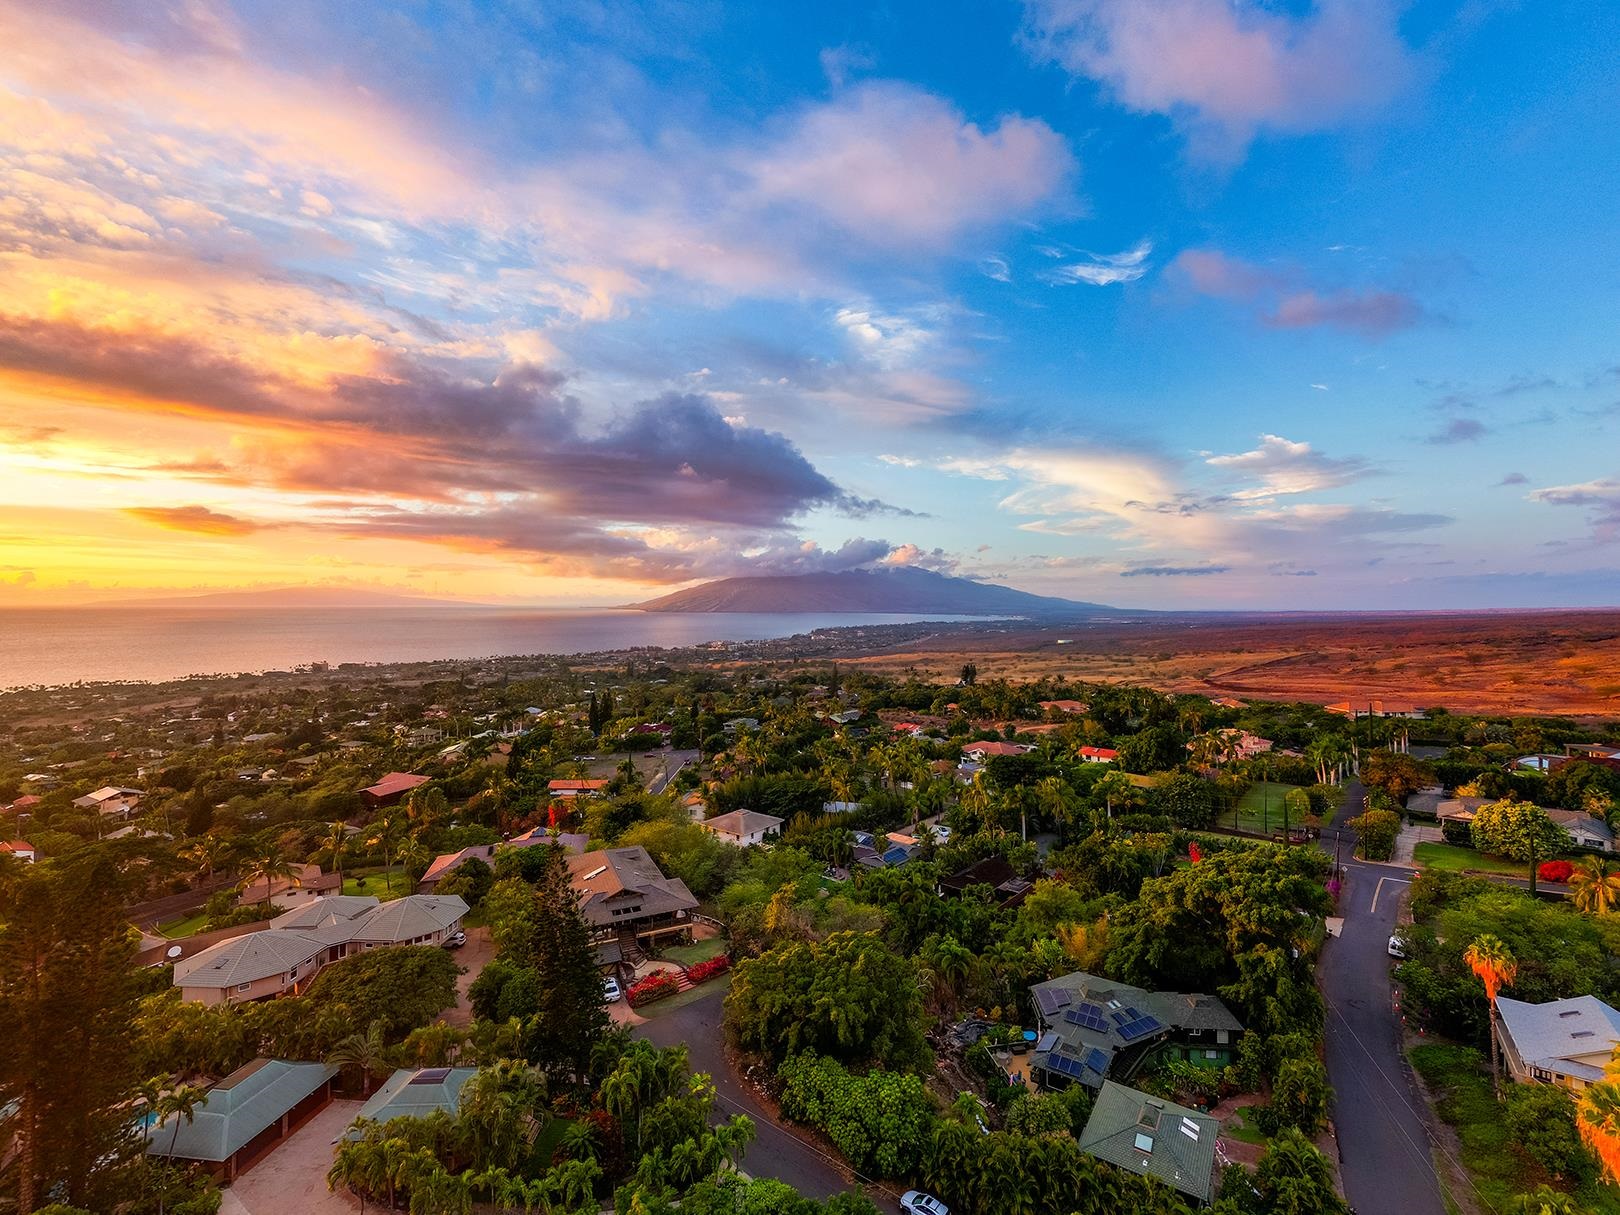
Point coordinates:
[(244, 1115), (1153, 1138), (416, 1093)]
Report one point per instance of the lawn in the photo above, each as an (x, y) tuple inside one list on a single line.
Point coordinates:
[(1240, 1128), (692, 994), (175, 929), (376, 882), (1461, 1085), (698, 951), (1260, 809), (1457, 859)]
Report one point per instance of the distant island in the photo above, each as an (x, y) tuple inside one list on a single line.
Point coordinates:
[(890, 590)]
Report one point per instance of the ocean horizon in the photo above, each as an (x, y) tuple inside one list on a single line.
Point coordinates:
[(51, 646)]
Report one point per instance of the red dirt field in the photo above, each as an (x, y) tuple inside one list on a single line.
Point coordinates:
[(1517, 663)]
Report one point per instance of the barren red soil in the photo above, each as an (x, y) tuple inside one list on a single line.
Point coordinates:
[(1487, 662)]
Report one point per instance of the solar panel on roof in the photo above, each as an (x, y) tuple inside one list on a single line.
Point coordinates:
[(1063, 1065), (1120, 1018), (1047, 1000), (431, 1075), (1096, 1061), (1140, 1028)]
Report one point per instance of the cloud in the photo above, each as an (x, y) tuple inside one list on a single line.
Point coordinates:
[(995, 267), (1514, 478), (198, 519), (838, 63), (1458, 430), (1226, 69), (936, 559), (1602, 496), (1283, 298), (1174, 571), (1370, 313), (897, 166), (1283, 466), (1104, 269)]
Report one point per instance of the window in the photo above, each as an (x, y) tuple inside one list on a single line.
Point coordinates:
[(1212, 1054), (243, 986)]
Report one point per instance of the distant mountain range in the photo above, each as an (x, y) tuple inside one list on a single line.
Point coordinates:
[(903, 590)]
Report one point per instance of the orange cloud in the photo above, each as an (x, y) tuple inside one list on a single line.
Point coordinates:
[(194, 519)]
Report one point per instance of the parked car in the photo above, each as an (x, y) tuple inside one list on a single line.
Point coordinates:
[(915, 1202), (1396, 949), (455, 940), (610, 990)]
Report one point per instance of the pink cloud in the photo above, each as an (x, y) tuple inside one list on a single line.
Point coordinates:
[(1282, 298), (890, 162), (1230, 67)]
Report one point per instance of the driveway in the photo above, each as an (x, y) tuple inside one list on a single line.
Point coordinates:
[(1386, 1159), (472, 958), (777, 1151), (293, 1176)]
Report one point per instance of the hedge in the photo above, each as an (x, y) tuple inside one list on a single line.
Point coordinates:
[(654, 987), (699, 972)]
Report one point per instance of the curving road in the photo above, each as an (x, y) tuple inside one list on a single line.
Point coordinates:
[(777, 1151), (1386, 1158)]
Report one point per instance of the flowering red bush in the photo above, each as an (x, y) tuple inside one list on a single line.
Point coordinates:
[(700, 971), (1554, 871), (653, 987)]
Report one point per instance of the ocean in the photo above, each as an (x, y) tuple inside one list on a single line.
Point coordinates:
[(68, 645)]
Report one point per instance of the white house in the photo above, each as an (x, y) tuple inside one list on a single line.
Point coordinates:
[(742, 827), (21, 849), (1562, 1042)]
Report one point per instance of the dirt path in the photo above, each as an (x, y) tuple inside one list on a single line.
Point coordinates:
[(472, 958)]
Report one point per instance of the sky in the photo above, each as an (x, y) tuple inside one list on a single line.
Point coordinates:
[(1201, 304)]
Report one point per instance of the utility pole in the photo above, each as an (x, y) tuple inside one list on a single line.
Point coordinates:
[(1532, 864)]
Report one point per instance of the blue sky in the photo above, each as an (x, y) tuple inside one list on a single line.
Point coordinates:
[(1163, 303)]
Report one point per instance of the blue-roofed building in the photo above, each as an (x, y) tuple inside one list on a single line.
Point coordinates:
[(1094, 1029), (245, 1115), (417, 1092)]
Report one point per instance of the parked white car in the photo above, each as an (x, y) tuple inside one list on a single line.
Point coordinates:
[(915, 1202), (610, 990), (455, 940), (1396, 949)]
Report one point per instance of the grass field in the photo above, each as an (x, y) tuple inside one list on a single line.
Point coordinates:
[(1461, 1085), (1457, 860), (378, 883), (175, 929), (1260, 809), (692, 994), (698, 951)]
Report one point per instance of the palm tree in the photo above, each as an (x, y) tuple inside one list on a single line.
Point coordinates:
[(165, 1104), (367, 1051), (1489, 958), (1546, 1201), (1114, 786), (336, 842), (264, 864), (1593, 888), (414, 856), (207, 852), (387, 832), (1597, 1118)]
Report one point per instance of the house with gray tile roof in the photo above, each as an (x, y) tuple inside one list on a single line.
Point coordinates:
[(1562, 1042), (1584, 830), (1094, 1029), (285, 956), (1153, 1138), (415, 1093)]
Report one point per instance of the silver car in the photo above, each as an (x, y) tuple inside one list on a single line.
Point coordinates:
[(915, 1202)]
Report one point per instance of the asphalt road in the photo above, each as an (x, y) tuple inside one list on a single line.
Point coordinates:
[(676, 760), (1385, 1155), (776, 1151)]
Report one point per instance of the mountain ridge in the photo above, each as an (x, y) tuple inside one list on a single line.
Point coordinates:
[(901, 590)]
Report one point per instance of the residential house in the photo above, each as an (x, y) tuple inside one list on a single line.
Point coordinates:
[(391, 789), (1094, 1029), (697, 809), (576, 788), (1592, 750), (1563, 1042), (20, 850), (285, 956), (448, 862), (111, 800), (244, 1116), (415, 1092), (844, 716), (1585, 830), (304, 884), (882, 852), (1098, 755), (1008, 887), (979, 752), (1153, 1138), (1070, 707), (1377, 707), (746, 724), (24, 804), (621, 892), (1539, 762), (743, 827)]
